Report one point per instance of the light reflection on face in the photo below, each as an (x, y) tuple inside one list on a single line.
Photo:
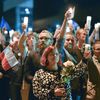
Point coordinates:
[(69, 42)]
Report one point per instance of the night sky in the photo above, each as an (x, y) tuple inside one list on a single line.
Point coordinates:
[(49, 8)]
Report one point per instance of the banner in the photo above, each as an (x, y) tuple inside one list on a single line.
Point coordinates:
[(8, 59)]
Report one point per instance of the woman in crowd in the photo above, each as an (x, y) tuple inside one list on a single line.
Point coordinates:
[(47, 81)]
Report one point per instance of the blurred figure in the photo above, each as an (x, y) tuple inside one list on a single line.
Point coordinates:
[(4, 81), (32, 39), (94, 73), (72, 24), (66, 47), (46, 82), (70, 46), (81, 37), (77, 87), (45, 39), (16, 73), (36, 46), (69, 50)]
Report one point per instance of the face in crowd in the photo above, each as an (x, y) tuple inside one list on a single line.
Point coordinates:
[(15, 40), (87, 51), (69, 41), (53, 57), (81, 35), (50, 57), (31, 41), (45, 39), (96, 49)]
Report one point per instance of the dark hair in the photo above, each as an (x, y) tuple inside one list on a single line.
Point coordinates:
[(1, 47), (96, 42)]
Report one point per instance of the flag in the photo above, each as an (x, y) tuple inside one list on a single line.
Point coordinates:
[(8, 59), (4, 24)]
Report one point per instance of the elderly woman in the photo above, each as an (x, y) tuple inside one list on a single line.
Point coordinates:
[(47, 81)]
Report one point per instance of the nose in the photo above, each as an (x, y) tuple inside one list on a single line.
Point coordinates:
[(70, 41), (43, 39)]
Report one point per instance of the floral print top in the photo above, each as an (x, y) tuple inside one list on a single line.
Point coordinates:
[(44, 83)]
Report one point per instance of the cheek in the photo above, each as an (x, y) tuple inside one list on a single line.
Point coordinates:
[(66, 43), (39, 41), (81, 37), (51, 58), (30, 42), (46, 41), (97, 54), (84, 36)]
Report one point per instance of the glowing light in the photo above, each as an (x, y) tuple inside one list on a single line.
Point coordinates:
[(27, 11), (57, 26), (26, 20), (30, 29)]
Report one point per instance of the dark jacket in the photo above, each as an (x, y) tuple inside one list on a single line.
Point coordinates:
[(94, 77)]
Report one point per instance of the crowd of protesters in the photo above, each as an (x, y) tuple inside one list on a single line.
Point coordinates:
[(63, 66)]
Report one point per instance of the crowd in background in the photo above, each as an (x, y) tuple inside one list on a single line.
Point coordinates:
[(64, 65)]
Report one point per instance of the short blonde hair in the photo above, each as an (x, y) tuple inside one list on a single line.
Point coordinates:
[(78, 32)]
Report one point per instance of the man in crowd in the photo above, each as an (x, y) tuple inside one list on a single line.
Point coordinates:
[(94, 73)]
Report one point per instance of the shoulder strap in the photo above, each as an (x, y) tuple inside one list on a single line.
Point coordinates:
[(70, 56)]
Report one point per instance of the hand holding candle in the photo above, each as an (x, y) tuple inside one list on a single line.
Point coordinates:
[(88, 21)]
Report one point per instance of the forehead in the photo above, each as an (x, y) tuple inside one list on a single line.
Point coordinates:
[(82, 31), (97, 45), (44, 34), (55, 50), (69, 37)]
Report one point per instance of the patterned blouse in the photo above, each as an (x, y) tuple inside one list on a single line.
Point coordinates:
[(44, 83)]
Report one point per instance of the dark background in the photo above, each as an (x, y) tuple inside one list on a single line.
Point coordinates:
[(52, 11)]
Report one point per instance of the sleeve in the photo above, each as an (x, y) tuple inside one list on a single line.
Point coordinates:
[(92, 72), (80, 69), (40, 89), (90, 91), (30, 68)]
